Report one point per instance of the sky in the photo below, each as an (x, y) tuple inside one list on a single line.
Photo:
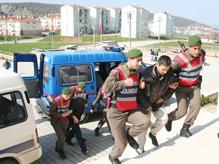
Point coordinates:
[(202, 11)]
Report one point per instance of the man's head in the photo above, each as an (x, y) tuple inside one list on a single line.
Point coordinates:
[(81, 86), (195, 44), (163, 64), (66, 93), (134, 58)]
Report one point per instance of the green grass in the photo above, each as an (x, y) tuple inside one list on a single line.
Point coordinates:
[(58, 41), (13, 38)]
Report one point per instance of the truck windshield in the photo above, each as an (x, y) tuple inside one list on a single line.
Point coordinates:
[(70, 75)]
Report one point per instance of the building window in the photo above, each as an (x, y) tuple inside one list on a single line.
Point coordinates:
[(12, 109)]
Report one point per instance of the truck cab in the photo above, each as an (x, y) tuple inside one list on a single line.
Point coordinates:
[(60, 69)]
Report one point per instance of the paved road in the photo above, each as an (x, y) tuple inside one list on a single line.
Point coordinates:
[(34, 40)]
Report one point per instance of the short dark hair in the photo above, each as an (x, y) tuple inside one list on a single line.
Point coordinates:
[(164, 60)]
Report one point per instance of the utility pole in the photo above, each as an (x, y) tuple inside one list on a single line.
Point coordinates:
[(159, 30), (129, 16), (52, 40), (94, 42)]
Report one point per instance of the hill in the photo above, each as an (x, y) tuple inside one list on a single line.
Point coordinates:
[(41, 9)]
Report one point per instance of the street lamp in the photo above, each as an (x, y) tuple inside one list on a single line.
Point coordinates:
[(94, 37), (129, 17), (159, 30)]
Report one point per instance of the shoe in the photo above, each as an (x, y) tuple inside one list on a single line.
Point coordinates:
[(96, 132), (184, 132), (140, 151), (69, 142), (84, 139), (84, 151), (114, 160), (61, 153), (168, 125), (153, 139), (132, 142)]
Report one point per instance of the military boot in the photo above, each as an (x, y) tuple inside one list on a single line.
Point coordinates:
[(96, 131), (114, 160), (132, 142), (184, 132), (168, 125)]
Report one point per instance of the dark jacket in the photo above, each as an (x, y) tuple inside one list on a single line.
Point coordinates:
[(156, 87)]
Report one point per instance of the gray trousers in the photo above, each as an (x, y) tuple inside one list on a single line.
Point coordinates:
[(160, 120), (117, 121), (187, 98), (60, 130)]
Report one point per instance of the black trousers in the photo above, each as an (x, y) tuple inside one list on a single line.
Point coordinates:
[(103, 120), (75, 130)]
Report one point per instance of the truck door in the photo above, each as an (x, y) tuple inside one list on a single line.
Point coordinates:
[(26, 65)]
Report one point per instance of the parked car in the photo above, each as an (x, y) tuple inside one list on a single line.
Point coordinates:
[(18, 131)]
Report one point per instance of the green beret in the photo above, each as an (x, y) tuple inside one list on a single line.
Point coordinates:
[(134, 53), (66, 91), (195, 40), (81, 85)]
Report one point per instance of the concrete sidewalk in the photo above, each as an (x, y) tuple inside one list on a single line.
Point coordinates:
[(201, 148)]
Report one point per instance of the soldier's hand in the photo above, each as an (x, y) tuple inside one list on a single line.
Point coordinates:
[(128, 82), (142, 84), (91, 110), (174, 85), (148, 110), (75, 120), (67, 113), (159, 101), (85, 105)]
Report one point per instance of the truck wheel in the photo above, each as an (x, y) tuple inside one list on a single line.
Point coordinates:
[(84, 117)]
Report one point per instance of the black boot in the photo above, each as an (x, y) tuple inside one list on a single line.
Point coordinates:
[(168, 125), (114, 160), (153, 139), (61, 153), (96, 131), (134, 144), (68, 141), (184, 132)]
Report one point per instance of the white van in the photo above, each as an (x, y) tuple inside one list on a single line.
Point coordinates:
[(19, 142)]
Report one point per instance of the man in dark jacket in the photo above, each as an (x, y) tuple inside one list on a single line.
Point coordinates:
[(160, 83)]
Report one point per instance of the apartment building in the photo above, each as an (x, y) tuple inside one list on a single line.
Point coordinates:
[(115, 20), (162, 25), (100, 19), (134, 22), (19, 26), (75, 20), (50, 22)]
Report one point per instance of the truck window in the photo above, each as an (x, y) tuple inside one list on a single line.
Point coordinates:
[(12, 109), (70, 75)]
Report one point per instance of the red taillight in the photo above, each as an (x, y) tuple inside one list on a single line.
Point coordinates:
[(37, 137)]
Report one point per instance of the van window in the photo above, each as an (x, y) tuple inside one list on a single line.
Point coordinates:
[(45, 73), (12, 109), (25, 69), (70, 75)]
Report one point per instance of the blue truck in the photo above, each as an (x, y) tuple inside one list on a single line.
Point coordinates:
[(59, 69)]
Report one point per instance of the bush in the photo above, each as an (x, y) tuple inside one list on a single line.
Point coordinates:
[(208, 100)]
